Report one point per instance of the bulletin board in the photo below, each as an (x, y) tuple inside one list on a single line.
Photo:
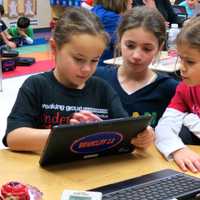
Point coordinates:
[(15, 8)]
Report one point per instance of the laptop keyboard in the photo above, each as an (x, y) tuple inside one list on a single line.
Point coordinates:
[(178, 186)]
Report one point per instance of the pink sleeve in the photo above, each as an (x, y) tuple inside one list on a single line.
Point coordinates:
[(178, 101)]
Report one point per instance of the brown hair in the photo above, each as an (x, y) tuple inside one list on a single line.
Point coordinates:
[(118, 6), (77, 21), (190, 33), (148, 18)]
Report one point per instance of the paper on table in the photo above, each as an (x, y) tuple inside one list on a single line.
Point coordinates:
[(165, 64)]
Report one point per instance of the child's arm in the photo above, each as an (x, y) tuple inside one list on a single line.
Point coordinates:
[(27, 139), (167, 130), (8, 35), (192, 122), (169, 143), (28, 39), (6, 40)]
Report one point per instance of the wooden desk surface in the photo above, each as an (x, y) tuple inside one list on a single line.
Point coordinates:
[(83, 175)]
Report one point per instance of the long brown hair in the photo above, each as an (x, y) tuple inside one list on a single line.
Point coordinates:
[(148, 18)]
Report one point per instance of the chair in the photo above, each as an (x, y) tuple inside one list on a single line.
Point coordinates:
[(180, 12)]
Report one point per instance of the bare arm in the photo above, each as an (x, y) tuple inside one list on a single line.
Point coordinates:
[(7, 35), (27, 139), (6, 40)]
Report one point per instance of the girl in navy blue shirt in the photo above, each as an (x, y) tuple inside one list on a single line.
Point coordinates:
[(141, 35)]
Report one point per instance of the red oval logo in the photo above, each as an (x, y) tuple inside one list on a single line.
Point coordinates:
[(96, 143)]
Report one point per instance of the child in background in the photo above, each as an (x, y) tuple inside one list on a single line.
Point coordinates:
[(189, 6), (4, 36), (184, 108), (165, 8), (68, 94), (141, 35), (23, 32), (109, 13)]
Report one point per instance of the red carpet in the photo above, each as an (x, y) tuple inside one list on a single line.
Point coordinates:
[(39, 66)]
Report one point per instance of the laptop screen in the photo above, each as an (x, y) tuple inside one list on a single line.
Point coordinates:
[(75, 142)]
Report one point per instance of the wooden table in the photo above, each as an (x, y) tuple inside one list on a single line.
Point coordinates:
[(84, 175)]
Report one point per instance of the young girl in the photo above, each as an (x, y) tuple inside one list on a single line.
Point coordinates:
[(141, 35), (184, 108), (67, 94)]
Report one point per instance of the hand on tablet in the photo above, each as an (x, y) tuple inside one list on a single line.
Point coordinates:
[(144, 139), (84, 117)]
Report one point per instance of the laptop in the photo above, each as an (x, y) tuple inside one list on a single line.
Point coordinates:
[(181, 12), (88, 140), (165, 184)]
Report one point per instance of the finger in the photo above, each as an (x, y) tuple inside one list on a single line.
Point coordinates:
[(182, 165), (145, 137), (91, 116), (191, 167), (142, 143), (148, 131), (80, 117), (149, 138), (74, 121), (197, 165)]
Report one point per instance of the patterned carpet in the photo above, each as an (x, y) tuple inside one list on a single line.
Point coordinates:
[(42, 55)]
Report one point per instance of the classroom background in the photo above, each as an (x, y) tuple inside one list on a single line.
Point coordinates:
[(40, 13)]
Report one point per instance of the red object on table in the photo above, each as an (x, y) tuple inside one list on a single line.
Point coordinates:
[(15, 190)]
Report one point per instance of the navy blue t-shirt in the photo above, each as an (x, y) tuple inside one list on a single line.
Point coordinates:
[(151, 99)]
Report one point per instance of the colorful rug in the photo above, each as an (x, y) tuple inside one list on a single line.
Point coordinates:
[(39, 66), (42, 55), (33, 48)]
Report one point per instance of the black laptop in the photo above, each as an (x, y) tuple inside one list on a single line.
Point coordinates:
[(75, 142), (165, 184)]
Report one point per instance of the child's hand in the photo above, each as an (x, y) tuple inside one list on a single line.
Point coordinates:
[(144, 139), (84, 116), (167, 24), (11, 44), (22, 33), (187, 159)]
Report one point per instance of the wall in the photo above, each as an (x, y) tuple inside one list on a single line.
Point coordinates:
[(42, 18)]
